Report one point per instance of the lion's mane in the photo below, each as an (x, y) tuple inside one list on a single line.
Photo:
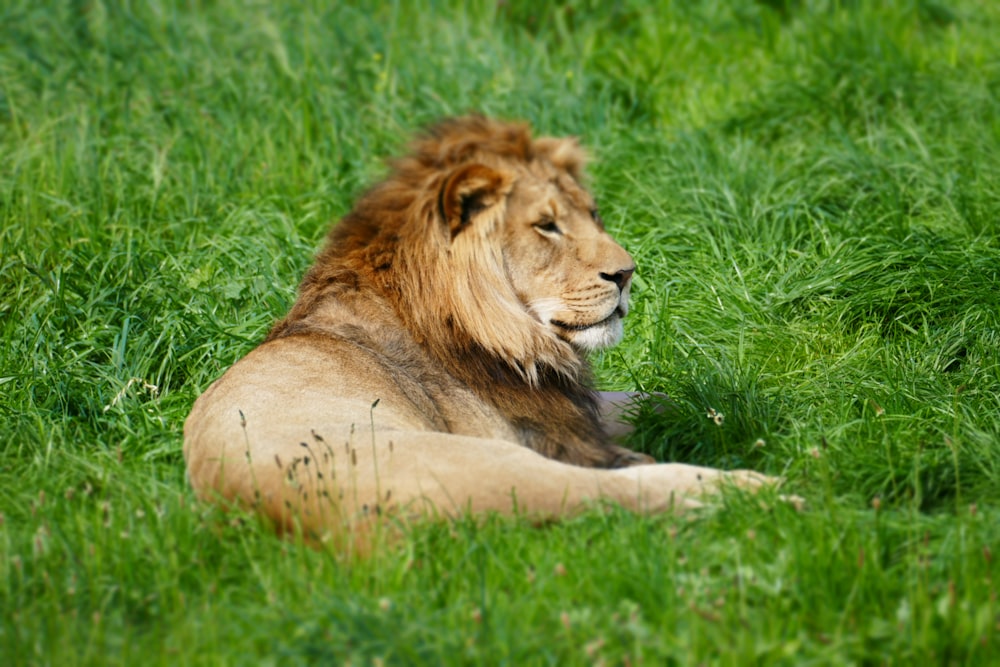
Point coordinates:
[(393, 252)]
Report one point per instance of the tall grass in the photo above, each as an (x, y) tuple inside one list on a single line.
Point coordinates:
[(811, 190)]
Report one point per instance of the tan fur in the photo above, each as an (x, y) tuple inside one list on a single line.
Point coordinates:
[(435, 358)]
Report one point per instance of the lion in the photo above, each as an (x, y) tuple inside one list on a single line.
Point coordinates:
[(435, 360)]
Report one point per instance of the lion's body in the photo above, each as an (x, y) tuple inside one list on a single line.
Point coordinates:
[(434, 359)]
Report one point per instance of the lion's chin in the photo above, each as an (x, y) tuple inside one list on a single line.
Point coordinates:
[(603, 334)]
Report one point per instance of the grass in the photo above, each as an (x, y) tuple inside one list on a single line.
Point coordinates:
[(811, 190)]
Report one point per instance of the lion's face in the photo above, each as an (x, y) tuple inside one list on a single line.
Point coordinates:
[(567, 271), (517, 255)]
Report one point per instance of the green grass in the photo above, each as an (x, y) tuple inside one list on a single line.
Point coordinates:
[(811, 190)]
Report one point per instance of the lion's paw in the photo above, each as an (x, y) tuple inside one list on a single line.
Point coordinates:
[(667, 484)]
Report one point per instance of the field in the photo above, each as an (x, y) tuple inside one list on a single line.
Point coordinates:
[(811, 190)]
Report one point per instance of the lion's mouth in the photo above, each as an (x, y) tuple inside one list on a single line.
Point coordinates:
[(618, 312)]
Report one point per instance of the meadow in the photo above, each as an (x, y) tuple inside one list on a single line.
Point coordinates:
[(811, 189)]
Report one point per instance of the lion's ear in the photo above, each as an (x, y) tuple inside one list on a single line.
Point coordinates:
[(563, 153), (469, 191)]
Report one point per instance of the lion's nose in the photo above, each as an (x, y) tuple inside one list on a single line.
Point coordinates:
[(620, 277)]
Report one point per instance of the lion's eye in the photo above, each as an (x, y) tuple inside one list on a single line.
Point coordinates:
[(595, 214), (548, 226)]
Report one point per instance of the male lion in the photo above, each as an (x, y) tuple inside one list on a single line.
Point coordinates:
[(435, 358)]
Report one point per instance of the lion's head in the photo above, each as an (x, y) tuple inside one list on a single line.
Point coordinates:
[(489, 247)]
